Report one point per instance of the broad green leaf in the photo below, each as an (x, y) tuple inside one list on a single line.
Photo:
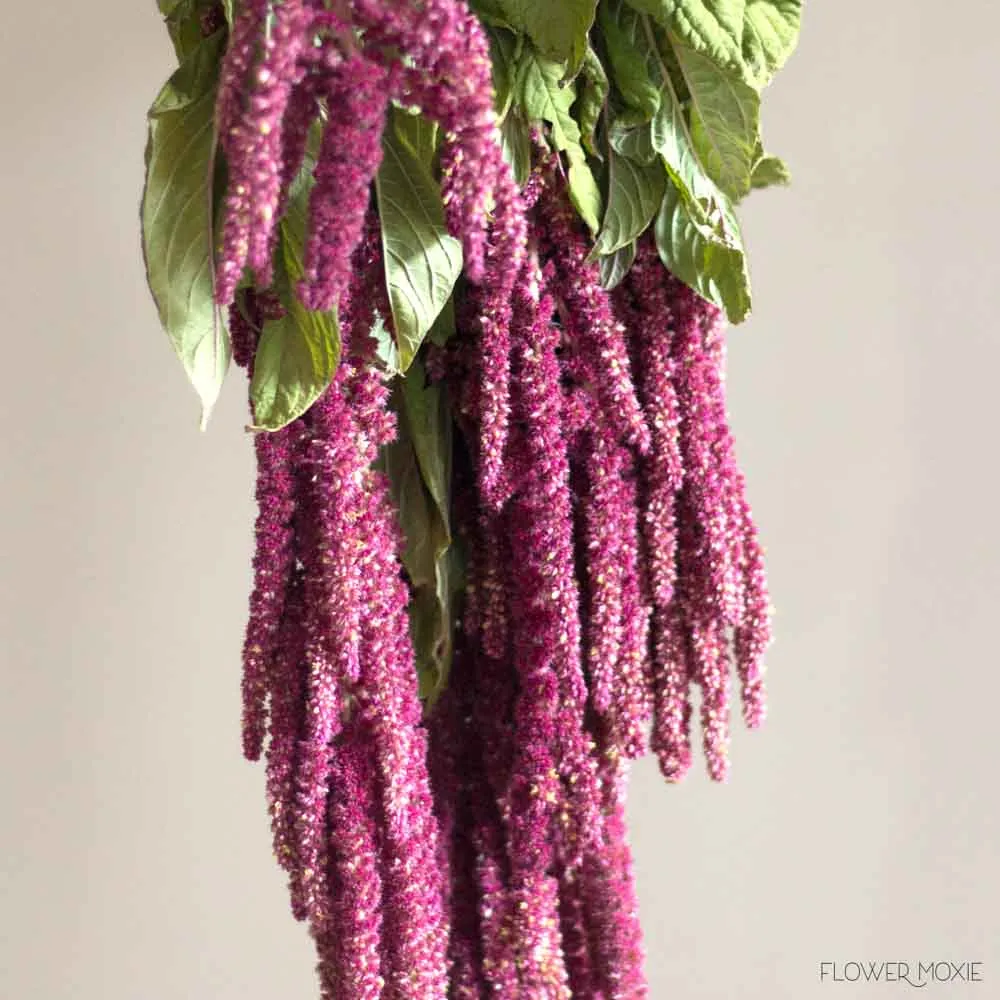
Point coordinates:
[(184, 25), (634, 142), (297, 355), (177, 217), (770, 33), (769, 171), (505, 47), (418, 464), (515, 142), (444, 326), (668, 133), (615, 266), (593, 95), (584, 192), (386, 350), (632, 67), (543, 96), (430, 427), (725, 121), (718, 272), (712, 27), (422, 260), (558, 29), (749, 38), (671, 138), (433, 616), (634, 195), (418, 134), (704, 228), (492, 12)]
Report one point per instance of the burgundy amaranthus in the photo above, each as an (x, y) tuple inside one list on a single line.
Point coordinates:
[(474, 846)]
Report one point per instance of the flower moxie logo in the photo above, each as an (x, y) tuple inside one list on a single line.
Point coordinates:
[(917, 975)]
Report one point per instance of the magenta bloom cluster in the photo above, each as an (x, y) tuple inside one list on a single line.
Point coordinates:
[(474, 847), (293, 64), (618, 572)]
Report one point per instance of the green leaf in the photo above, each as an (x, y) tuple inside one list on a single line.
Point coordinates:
[(634, 142), (593, 94), (492, 12), (544, 96), (386, 350), (515, 142), (418, 134), (177, 217), (505, 47), (769, 171), (770, 34), (422, 260), (297, 355), (444, 326), (749, 38), (615, 266), (183, 21), (430, 427), (716, 270), (632, 67), (634, 195), (671, 138), (584, 192), (558, 29), (725, 121), (418, 464), (703, 229), (712, 27)]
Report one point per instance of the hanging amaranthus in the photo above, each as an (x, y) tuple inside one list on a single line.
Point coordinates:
[(477, 265)]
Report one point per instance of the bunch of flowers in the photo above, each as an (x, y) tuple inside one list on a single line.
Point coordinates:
[(477, 265)]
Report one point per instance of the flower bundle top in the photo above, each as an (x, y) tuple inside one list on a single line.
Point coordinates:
[(477, 261)]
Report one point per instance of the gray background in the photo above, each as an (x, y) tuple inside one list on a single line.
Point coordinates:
[(861, 823)]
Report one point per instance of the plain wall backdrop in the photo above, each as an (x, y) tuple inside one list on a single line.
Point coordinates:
[(861, 823)]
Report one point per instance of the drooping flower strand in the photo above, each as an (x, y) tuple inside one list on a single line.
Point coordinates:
[(644, 304), (259, 72), (713, 581), (275, 77), (608, 426), (335, 462), (586, 310), (491, 305), (617, 612), (753, 635), (350, 951), (416, 923), (545, 609), (482, 662), (752, 632), (447, 73), (357, 94), (274, 553), (332, 504), (272, 566), (458, 777), (706, 564), (607, 886), (632, 698)]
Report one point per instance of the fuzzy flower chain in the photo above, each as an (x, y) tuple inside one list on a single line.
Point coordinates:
[(473, 845)]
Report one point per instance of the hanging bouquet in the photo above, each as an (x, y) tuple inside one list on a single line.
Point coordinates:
[(477, 262)]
